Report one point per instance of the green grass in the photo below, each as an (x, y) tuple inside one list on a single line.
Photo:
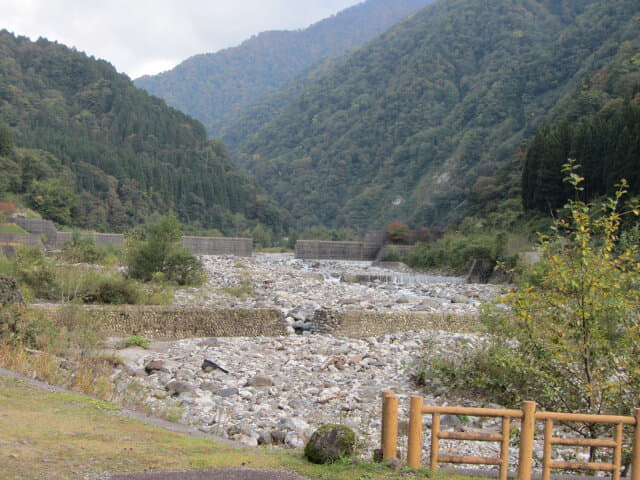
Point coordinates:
[(12, 228), (67, 436)]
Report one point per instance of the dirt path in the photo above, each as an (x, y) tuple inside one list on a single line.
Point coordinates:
[(219, 474)]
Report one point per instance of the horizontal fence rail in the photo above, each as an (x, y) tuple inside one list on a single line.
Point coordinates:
[(527, 417)]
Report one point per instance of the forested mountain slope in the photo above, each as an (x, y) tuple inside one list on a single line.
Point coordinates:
[(406, 126), (91, 150), (213, 87)]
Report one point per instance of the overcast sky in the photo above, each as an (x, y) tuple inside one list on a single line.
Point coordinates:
[(149, 36)]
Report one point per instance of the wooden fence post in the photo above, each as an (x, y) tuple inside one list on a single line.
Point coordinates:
[(414, 447), (527, 433), (389, 425), (635, 455)]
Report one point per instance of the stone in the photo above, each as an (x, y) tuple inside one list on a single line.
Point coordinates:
[(394, 463), (265, 438), (176, 387), (160, 395), (330, 443), (209, 366), (228, 392), (296, 424), (155, 366), (259, 381), (247, 440), (9, 291), (209, 387), (278, 437)]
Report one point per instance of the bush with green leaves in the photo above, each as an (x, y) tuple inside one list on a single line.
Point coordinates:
[(83, 249), (34, 272), (569, 336), (157, 249)]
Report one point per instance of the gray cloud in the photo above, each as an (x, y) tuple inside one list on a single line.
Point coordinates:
[(148, 36)]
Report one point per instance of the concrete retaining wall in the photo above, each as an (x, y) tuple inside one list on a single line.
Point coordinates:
[(28, 239), (239, 247), (38, 227), (357, 251), (101, 239), (318, 250)]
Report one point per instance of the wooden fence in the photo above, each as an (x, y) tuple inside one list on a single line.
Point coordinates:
[(527, 417)]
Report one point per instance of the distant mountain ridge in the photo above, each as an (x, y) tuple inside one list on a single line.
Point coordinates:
[(416, 123), (214, 86)]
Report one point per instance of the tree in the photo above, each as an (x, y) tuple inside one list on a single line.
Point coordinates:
[(6, 141), (158, 250), (569, 336)]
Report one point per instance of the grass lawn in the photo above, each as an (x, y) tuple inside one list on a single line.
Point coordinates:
[(11, 228), (63, 436)]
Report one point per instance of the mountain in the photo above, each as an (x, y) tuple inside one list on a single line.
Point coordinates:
[(84, 147), (417, 123), (212, 87)]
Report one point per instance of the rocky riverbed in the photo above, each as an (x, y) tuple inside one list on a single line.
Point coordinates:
[(299, 288), (276, 391)]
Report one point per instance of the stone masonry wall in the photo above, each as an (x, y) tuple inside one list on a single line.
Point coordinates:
[(367, 324), (177, 323)]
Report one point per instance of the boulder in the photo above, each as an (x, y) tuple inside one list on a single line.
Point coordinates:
[(9, 291), (209, 366), (176, 387), (330, 443), (259, 381), (156, 366)]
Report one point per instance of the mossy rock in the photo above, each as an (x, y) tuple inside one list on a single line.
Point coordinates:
[(330, 443)]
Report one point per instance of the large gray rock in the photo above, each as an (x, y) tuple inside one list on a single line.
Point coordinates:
[(330, 443), (9, 291)]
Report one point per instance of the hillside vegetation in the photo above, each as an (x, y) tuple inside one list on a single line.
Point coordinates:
[(214, 87), (431, 120), (82, 146)]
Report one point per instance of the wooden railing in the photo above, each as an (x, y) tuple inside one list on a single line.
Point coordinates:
[(528, 417)]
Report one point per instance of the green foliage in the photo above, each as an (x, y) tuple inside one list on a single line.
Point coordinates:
[(83, 249), (569, 336), (454, 252), (419, 124), (606, 146), (35, 273), (135, 340), (92, 151), (161, 252), (398, 233), (242, 289), (6, 141), (214, 87)]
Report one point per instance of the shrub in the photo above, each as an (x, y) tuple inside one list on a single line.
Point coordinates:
[(569, 336), (35, 273), (398, 233), (135, 340), (158, 251)]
